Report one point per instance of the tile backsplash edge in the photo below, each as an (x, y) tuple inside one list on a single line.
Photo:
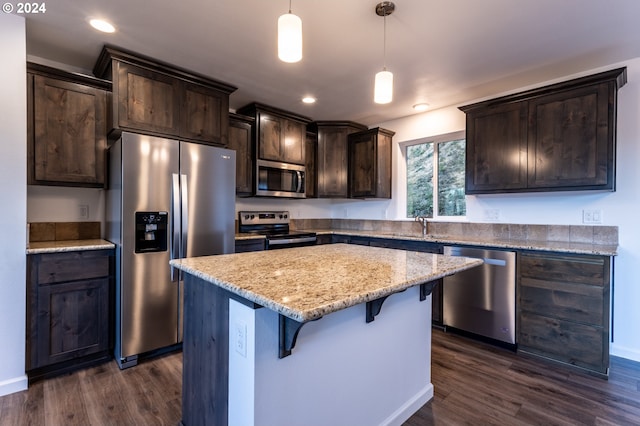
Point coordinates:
[(600, 235)]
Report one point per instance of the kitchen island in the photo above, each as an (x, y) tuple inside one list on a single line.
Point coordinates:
[(316, 335)]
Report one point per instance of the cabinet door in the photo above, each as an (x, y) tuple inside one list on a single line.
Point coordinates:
[(293, 142), (310, 164), (269, 134), (146, 100), (571, 141), (496, 155), (332, 162), (204, 116), (69, 133), (362, 165), (73, 320), (240, 141)]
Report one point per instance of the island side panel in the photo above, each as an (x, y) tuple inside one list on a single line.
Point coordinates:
[(205, 374), (342, 370)]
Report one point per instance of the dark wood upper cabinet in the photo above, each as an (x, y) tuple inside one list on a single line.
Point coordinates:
[(240, 141), (560, 137), (370, 163), (66, 128), (163, 100), (332, 157), (310, 164), (572, 138), (278, 135), (496, 159)]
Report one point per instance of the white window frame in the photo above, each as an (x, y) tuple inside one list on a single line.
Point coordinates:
[(437, 139)]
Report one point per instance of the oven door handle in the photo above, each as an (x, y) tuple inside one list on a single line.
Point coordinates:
[(284, 241)]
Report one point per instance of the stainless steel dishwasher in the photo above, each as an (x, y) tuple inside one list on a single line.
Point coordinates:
[(482, 300)]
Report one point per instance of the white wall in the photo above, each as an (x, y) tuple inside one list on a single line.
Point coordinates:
[(13, 177), (61, 204)]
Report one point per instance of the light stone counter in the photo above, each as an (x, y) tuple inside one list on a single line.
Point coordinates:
[(68, 245), (307, 283)]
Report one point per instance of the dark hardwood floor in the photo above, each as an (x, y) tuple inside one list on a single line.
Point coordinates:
[(475, 384)]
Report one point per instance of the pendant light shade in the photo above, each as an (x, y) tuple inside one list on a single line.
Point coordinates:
[(383, 90), (289, 37)]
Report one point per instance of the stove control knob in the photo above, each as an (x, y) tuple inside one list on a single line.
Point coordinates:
[(253, 216), (285, 216), (280, 216), (246, 216)]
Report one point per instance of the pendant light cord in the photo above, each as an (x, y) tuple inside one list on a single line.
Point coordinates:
[(289, 6), (384, 43)]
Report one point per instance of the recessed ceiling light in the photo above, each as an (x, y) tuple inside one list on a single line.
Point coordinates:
[(309, 100), (102, 25), (421, 107)]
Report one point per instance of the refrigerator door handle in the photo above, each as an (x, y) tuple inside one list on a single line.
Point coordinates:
[(175, 225), (185, 214)]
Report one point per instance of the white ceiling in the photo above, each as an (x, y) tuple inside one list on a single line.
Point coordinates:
[(444, 52)]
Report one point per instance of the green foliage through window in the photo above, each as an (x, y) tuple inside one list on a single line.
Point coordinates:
[(444, 159)]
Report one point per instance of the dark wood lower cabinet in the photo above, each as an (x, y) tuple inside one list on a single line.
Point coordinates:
[(563, 308), (257, 244), (69, 311)]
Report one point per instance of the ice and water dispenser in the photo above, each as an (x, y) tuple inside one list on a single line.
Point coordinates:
[(151, 232)]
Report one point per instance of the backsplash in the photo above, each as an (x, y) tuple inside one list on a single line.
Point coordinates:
[(605, 235), (63, 231)]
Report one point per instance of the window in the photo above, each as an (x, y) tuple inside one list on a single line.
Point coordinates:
[(441, 157)]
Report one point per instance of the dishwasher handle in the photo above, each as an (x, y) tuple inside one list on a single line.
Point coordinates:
[(496, 262), (462, 251)]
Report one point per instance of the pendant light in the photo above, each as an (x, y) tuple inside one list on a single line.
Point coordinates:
[(289, 37), (383, 89)]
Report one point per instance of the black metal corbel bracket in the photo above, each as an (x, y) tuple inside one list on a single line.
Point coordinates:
[(373, 308), (426, 289), (288, 334)]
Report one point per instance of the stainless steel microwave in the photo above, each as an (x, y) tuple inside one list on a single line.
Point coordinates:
[(274, 179)]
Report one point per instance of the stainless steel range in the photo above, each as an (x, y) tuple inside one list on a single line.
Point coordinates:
[(275, 226)]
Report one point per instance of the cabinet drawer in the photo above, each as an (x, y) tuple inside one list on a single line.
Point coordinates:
[(592, 270), (243, 246), (72, 266), (576, 344), (573, 302)]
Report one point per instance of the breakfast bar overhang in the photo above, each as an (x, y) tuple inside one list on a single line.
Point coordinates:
[(332, 334)]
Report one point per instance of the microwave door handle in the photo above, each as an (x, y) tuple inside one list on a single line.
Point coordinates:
[(299, 175), (175, 223)]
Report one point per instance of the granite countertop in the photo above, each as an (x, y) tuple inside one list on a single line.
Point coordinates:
[(68, 245), (553, 246), (306, 283), (249, 236)]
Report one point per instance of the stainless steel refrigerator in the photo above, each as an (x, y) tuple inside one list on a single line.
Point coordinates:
[(166, 199)]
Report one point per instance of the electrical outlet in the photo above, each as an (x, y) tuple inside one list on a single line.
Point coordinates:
[(492, 215), (83, 211), (240, 338), (592, 216)]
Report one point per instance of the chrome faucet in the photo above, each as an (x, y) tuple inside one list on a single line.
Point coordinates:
[(423, 221)]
